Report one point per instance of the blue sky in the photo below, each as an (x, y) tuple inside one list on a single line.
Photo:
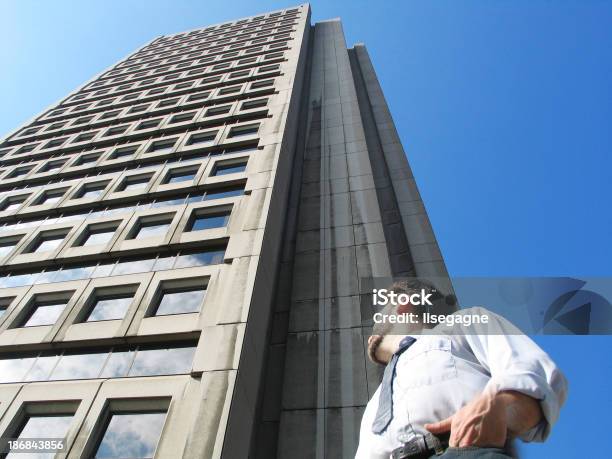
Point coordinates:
[(504, 109)]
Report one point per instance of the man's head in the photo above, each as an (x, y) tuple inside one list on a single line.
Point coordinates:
[(384, 333)]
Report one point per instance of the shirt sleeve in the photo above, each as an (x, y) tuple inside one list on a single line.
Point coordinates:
[(518, 364)]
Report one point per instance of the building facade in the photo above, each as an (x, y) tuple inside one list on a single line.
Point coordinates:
[(188, 242)]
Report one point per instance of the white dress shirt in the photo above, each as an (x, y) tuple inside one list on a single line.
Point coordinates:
[(445, 369)]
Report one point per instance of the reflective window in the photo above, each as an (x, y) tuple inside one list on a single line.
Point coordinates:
[(229, 169), (162, 146), (148, 124), (112, 268), (180, 301), (123, 152), (42, 426), (110, 307), (47, 242), (6, 246), (162, 361), (12, 204), (98, 236), (199, 259), (79, 366), (99, 363), (118, 364), (45, 313), (131, 435), (72, 273), (87, 159), (14, 370), (134, 183), (199, 139), (42, 368), (131, 266), (50, 197), (224, 193), (91, 190), (115, 130), (208, 221), (150, 229), (181, 176)]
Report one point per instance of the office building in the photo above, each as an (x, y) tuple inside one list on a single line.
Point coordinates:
[(187, 243)]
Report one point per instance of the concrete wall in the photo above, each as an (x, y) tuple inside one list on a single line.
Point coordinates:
[(357, 217)]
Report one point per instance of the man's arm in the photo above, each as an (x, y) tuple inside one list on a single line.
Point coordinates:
[(489, 419), (524, 395)]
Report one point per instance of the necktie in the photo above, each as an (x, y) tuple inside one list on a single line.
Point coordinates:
[(384, 414)]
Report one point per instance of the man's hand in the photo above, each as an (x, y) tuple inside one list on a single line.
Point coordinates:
[(489, 419), (482, 422)]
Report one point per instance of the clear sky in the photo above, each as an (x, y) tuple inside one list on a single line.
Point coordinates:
[(504, 108)]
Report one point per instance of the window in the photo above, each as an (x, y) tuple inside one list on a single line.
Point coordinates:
[(50, 197), (167, 103), (130, 96), (78, 366), (44, 313), (116, 130), (26, 149), (241, 74), (208, 257), (47, 242), (150, 228), (55, 143), (133, 435), (199, 96), (87, 159), (91, 190), (182, 118), (225, 169), (42, 426), (156, 361), (150, 124), (83, 120), (85, 137), (184, 85), (19, 172), (97, 236), (53, 165), (123, 152), (202, 138), (162, 146), (224, 193), (250, 104), (180, 300), (138, 108), (181, 175), (240, 131), (7, 245), (230, 90), (215, 111), (199, 222), (110, 114), (56, 126), (110, 307), (134, 183), (4, 304), (12, 203)]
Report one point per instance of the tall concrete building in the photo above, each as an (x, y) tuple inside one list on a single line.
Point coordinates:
[(188, 243)]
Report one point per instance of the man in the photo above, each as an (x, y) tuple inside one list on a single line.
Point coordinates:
[(455, 391)]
